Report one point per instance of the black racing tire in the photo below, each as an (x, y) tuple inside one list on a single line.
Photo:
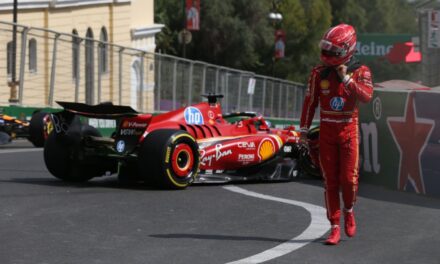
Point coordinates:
[(37, 129), (128, 174), (306, 165), (169, 159), (305, 161), (62, 158), (5, 138)]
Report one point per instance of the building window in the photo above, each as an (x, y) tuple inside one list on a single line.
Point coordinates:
[(33, 55), (75, 54), (103, 51)]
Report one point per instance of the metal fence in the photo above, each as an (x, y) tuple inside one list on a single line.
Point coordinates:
[(54, 66)]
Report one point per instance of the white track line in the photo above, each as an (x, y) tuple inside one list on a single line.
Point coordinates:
[(317, 228), (7, 151)]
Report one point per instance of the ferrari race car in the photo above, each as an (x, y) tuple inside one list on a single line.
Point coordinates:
[(34, 130), (197, 143)]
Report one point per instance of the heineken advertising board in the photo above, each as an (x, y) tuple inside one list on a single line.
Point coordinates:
[(372, 46), (400, 141)]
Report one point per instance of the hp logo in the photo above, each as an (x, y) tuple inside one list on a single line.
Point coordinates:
[(193, 116), (337, 103)]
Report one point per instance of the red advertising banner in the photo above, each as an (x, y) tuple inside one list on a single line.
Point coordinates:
[(280, 43), (193, 15)]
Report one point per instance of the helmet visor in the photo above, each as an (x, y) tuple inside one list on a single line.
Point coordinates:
[(329, 49)]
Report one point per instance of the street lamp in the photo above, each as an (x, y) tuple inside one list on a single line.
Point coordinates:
[(275, 17)]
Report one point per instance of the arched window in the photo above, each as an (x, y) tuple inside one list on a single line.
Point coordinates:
[(33, 55), (103, 51), (75, 54)]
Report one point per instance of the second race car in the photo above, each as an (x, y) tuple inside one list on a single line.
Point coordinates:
[(35, 130)]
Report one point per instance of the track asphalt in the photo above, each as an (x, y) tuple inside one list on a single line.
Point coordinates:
[(44, 220)]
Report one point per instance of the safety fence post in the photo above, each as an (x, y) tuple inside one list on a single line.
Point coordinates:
[(53, 71), (120, 75), (141, 85), (264, 97), (190, 82), (239, 92), (174, 84), (22, 64), (158, 81)]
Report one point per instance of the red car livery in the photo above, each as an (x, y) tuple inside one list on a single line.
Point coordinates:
[(197, 143)]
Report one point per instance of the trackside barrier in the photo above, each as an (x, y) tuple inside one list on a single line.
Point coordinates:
[(399, 144), (58, 66), (400, 141)]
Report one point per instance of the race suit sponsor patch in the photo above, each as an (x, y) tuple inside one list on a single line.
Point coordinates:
[(337, 103)]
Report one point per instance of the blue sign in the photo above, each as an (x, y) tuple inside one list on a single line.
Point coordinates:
[(337, 103), (193, 116)]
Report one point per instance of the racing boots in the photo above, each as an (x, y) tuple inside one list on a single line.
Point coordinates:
[(335, 236), (350, 224)]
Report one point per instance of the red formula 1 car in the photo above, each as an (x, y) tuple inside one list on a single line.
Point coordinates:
[(197, 143)]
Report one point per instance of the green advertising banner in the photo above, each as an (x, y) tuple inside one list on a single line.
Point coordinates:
[(400, 142), (378, 154), (372, 46)]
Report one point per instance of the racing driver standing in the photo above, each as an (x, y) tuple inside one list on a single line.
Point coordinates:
[(338, 85)]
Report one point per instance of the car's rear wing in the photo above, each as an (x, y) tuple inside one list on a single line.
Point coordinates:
[(62, 121), (102, 111)]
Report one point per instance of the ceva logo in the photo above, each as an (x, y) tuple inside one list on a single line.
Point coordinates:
[(193, 116), (337, 103)]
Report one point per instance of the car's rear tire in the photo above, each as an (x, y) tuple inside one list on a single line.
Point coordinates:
[(61, 155), (38, 130), (5, 138), (169, 159)]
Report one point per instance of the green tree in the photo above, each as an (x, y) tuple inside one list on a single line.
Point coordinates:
[(232, 32), (304, 23), (238, 33), (376, 16)]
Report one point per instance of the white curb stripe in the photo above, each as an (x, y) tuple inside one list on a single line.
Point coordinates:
[(317, 228), (7, 151)]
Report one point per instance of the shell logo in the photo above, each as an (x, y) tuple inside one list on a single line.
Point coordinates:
[(325, 84), (266, 149)]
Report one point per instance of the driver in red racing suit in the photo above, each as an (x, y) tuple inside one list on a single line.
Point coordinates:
[(338, 86)]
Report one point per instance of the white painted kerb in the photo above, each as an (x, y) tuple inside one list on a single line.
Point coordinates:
[(317, 228)]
